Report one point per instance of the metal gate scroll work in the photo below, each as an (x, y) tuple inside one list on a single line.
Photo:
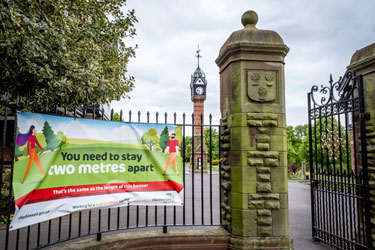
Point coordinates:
[(338, 164)]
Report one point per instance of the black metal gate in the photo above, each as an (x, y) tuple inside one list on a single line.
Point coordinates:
[(338, 164), (202, 187)]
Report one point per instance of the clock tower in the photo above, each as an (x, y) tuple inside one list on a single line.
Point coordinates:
[(198, 87)]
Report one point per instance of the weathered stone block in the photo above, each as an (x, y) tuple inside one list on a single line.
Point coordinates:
[(240, 200), (269, 116), (263, 146), (283, 200), (264, 212), (370, 128), (279, 179), (241, 139), (272, 204), (263, 177), (263, 170), (263, 139), (278, 143), (263, 130), (263, 187), (254, 116), (280, 223), (239, 120), (255, 162), (263, 154), (256, 204), (243, 222), (255, 196), (371, 148), (269, 123), (264, 231), (271, 196), (243, 180), (254, 123), (268, 162), (264, 221), (237, 158), (225, 146)]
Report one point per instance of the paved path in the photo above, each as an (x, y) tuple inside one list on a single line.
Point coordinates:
[(300, 217)]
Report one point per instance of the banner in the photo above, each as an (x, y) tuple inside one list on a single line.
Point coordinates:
[(64, 164)]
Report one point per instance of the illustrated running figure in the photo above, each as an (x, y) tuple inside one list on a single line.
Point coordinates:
[(31, 140), (172, 147)]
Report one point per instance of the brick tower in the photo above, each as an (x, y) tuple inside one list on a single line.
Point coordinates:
[(198, 86)]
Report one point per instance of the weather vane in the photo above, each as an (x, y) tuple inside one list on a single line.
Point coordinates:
[(198, 55)]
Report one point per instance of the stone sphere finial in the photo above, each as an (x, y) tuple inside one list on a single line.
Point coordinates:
[(249, 19)]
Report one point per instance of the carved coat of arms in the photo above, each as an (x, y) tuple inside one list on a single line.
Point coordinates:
[(261, 85)]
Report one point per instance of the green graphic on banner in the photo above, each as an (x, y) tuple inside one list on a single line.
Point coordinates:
[(65, 164)]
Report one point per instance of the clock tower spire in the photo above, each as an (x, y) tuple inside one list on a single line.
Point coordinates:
[(198, 86)]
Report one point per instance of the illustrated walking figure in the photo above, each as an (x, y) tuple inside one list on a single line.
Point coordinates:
[(31, 140), (172, 148)]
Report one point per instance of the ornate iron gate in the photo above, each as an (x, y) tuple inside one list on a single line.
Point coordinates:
[(338, 164)]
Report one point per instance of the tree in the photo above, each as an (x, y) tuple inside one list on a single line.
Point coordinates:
[(66, 52), (188, 141), (164, 138), (52, 141), (214, 142), (150, 138), (117, 117), (323, 131)]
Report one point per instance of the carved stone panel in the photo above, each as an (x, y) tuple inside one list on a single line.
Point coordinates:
[(261, 85)]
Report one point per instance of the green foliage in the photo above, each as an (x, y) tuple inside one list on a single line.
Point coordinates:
[(117, 117), (52, 141), (214, 142), (294, 142), (178, 132), (4, 196), (164, 138), (188, 141), (298, 144), (66, 52), (150, 138)]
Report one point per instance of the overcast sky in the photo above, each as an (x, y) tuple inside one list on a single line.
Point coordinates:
[(322, 36)]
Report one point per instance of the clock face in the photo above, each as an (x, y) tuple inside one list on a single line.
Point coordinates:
[(199, 90)]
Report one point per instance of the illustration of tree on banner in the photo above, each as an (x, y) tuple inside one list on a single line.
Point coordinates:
[(150, 138), (51, 139), (178, 132), (164, 138), (61, 137)]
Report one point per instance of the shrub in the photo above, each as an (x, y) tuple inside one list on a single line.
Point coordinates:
[(292, 168), (4, 197)]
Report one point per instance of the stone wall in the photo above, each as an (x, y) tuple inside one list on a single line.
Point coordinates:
[(363, 63)]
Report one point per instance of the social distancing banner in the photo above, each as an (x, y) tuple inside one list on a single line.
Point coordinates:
[(64, 164)]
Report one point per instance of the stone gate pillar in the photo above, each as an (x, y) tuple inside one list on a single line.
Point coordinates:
[(252, 103), (363, 63)]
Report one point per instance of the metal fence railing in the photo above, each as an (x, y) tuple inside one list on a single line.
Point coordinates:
[(202, 187)]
